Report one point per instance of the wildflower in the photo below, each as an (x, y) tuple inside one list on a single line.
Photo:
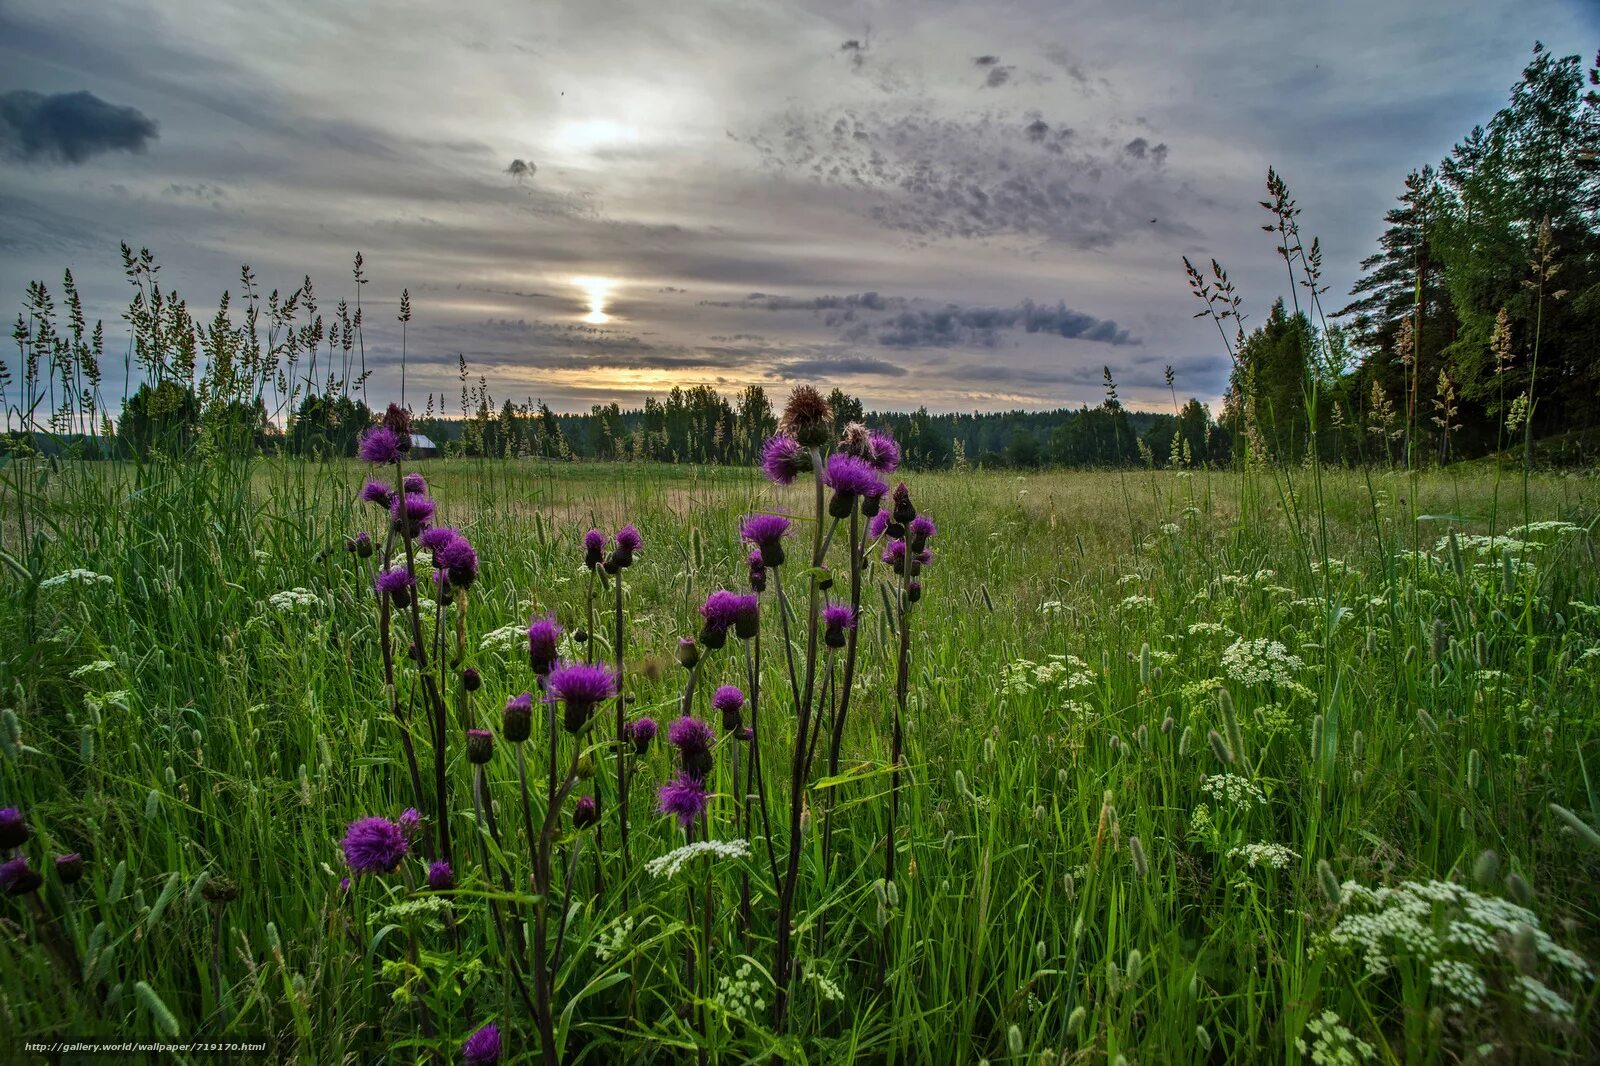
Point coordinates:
[(77, 575), (1237, 791), (730, 701), (782, 459), (904, 511), (594, 548), (396, 584), (410, 822), (17, 878), (628, 542), (398, 420), (883, 452), (1258, 662), (919, 532), (585, 812), (747, 617), (693, 739), (641, 732), (460, 560), (363, 545), (437, 538), (807, 417), (720, 611), (766, 533), (374, 845), (376, 492), (544, 640), (471, 680), (913, 590), (441, 878), (480, 746), (836, 618), (684, 797), (894, 554), (412, 513), (69, 868), (414, 483), (850, 478), (877, 525), (580, 687), (516, 721), (758, 571), (669, 864), (482, 1047), (14, 830), (1273, 856), (380, 445), (688, 653)]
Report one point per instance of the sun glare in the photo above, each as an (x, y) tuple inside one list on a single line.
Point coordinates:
[(598, 292)]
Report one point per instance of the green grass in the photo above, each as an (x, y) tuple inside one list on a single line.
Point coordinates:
[(177, 729)]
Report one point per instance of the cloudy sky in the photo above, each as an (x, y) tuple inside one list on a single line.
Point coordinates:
[(971, 205)]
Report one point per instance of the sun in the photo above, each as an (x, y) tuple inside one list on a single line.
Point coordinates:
[(597, 291)]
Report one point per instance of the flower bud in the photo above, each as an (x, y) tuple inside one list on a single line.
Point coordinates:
[(516, 722), (585, 812), (14, 830), (471, 680), (69, 868), (480, 746), (688, 653), (441, 878)]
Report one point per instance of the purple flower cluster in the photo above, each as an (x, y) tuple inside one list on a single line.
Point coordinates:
[(374, 845), (544, 638), (396, 584), (684, 797), (730, 701), (766, 533), (724, 610), (380, 445), (482, 1047), (641, 733), (412, 513), (580, 687), (782, 459)]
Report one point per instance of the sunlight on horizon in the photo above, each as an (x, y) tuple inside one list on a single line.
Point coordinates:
[(598, 293)]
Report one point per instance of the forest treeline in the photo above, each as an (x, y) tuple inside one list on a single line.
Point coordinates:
[(1474, 327)]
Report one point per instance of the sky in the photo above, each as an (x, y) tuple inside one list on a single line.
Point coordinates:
[(963, 205)]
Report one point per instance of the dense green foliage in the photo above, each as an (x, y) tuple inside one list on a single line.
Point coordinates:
[(181, 723)]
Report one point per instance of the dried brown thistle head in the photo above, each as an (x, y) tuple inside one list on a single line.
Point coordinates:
[(807, 417)]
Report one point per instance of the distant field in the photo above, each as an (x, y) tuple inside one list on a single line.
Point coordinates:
[(1143, 708)]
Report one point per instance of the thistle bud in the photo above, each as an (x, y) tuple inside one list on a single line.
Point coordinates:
[(14, 829), (688, 653), (441, 878), (480, 746), (471, 680), (69, 868), (585, 812), (904, 511), (516, 722)]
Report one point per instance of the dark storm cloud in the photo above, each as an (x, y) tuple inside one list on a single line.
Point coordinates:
[(69, 127), (824, 369), (902, 324), (984, 325)]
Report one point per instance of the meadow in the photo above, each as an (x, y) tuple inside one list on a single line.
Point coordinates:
[(1197, 766)]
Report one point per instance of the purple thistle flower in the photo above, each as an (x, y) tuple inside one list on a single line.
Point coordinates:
[(396, 584), (848, 476), (374, 845), (913, 590), (688, 653), (69, 868), (436, 538), (414, 483), (482, 1047), (516, 721), (684, 797), (877, 525), (894, 553), (730, 701), (904, 509), (380, 445), (693, 739), (363, 545), (594, 548), (585, 812), (628, 537), (721, 612), (410, 821), (412, 513), (747, 622), (440, 877), (344, 885), (921, 528), (580, 687), (782, 459), (766, 532), (544, 637), (641, 732), (837, 618), (691, 734), (377, 492), (480, 746), (758, 571), (17, 878), (460, 560), (883, 452), (923, 557), (14, 831)]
